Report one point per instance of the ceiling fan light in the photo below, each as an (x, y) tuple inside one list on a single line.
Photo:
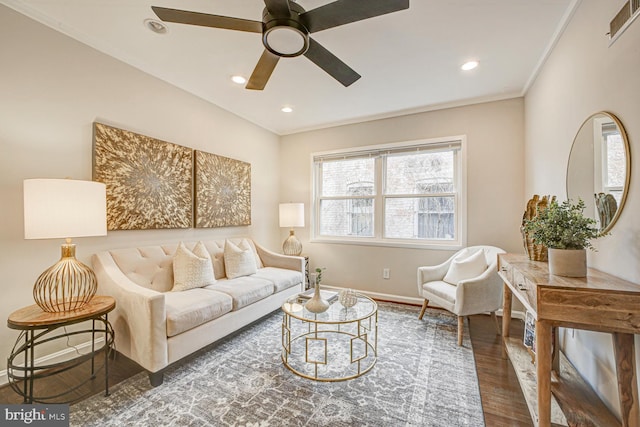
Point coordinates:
[(238, 80), (285, 41), (155, 26), (469, 65)]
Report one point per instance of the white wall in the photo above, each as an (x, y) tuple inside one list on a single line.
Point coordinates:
[(582, 76), (495, 133), (52, 89)]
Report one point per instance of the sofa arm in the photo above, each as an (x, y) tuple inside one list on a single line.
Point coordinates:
[(432, 273), (478, 295), (273, 259), (139, 319)]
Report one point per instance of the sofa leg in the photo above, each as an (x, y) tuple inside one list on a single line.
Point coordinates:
[(424, 308), (460, 329), (156, 378)]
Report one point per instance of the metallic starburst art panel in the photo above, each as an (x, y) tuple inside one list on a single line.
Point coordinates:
[(149, 182), (223, 191)]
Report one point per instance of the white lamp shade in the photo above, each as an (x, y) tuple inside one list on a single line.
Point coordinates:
[(291, 214), (64, 208)]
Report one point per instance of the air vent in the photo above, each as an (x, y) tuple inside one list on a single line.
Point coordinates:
[(623, 19)]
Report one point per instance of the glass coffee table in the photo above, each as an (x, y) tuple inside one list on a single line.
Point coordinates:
[(337, 345)]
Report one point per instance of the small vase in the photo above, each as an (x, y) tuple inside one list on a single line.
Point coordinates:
[(316, 304), (568, 262)]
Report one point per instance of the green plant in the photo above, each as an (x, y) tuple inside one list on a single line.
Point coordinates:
[(563, 226), (319, 274)]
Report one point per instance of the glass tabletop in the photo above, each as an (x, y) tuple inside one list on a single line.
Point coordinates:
[(336, 313)]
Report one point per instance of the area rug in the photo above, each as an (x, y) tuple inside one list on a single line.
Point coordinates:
[(422, 378)]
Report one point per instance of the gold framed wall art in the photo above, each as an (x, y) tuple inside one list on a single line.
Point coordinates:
[(149, 181), (222, 191)]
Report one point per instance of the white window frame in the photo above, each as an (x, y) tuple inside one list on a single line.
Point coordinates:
[(460, 182)]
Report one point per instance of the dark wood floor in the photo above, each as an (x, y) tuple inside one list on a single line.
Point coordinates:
[(502, 399)]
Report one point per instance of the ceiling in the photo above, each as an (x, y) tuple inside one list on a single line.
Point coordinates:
[(409, 60)]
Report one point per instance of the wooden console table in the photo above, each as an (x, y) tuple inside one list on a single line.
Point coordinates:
[(598, 302)]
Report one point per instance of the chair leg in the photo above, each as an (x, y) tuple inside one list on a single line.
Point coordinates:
[(424, 308), (460, 329), (495, 319)]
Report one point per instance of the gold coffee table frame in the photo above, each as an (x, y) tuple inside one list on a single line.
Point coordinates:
[(355, 327)]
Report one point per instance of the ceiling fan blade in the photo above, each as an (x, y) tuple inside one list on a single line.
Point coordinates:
[(342, 12), (263, 70), (207, 20), (278, 7), (330, 63)]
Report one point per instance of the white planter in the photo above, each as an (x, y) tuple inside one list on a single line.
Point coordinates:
[(568, 262)]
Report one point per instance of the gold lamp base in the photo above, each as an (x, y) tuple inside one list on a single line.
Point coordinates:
[(67, 285), (292, 245)]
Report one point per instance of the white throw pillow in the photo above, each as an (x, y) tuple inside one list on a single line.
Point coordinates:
[(466, 268), (466, 253), (192, 269), (239, 260)]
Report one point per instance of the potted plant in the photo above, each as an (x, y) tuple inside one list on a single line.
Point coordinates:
[(567, 233)]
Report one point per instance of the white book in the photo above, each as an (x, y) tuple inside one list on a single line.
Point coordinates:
[(329, 296)]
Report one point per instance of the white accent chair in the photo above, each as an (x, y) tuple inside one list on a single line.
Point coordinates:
[(480, 294)]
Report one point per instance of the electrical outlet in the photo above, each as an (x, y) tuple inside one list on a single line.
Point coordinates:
[(385, 273)]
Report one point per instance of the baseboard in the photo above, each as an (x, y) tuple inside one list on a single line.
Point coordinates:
[(414, 301), (384, 297), (59, 356)]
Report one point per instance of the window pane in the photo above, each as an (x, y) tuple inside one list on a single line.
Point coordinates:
[(348, 177), (419, 173), (420, 218), (348, 217), (616, 161)]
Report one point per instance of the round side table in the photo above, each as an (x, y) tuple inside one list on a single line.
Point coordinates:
[(39, 327)]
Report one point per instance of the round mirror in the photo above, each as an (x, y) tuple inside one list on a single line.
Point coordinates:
[(599, 168)]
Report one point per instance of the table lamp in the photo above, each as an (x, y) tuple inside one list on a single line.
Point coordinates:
[(292, 215), (64, 208)]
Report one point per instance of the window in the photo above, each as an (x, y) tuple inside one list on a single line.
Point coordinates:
[(614, 161), (408, 193)]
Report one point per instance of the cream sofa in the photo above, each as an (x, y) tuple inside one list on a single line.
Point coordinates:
[(156, 327)]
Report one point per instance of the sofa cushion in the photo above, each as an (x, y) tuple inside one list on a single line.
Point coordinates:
[(191, 308), (216, 251), (244, 290), (443, 290), (239, 260), (192, 269), (280, 277), (150, 267)]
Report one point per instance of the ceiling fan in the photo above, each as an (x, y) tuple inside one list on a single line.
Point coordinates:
[(285, 29)]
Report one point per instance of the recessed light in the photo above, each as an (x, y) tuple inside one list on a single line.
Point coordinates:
[(238, 79), (155, 26), (286, 109), (469, 65)]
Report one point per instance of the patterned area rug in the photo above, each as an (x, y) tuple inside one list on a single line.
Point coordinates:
[(422, 378)]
